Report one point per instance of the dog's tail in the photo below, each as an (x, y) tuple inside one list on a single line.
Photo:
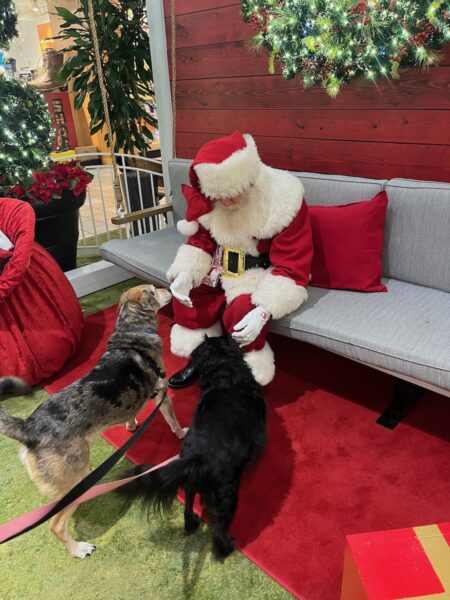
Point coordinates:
[(13, 427), (159, 488)]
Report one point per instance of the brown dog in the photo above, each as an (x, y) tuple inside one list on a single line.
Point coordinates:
[(56, 438)]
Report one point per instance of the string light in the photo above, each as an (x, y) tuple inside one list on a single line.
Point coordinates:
[(8, 23), (26, 134), (330, 43)]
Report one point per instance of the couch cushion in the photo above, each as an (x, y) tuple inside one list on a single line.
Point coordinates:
[(406, 330), (326, 190), (329, 190), (147, 256), (417, 233)]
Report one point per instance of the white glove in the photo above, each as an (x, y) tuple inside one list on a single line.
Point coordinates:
[(248, 328), (180, 288)]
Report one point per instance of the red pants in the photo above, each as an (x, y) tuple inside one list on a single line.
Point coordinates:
[(209, 306)]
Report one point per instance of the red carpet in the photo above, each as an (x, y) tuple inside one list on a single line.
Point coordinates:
[(328, 470)]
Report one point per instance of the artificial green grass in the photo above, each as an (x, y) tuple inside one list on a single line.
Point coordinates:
[(135, 558), (87, 259)]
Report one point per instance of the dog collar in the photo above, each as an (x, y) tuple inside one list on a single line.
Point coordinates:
[(145, 331)]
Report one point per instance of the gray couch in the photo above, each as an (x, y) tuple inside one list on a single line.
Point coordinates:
[(405, 332)]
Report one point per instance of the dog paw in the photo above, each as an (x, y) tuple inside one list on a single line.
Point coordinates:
[(132, 426), (82, 549), (191, 523), (223, 547), (181, 434)]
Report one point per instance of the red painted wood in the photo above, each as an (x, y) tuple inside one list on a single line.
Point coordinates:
[(365, 159), (416, 126), (445, 56), (381, 129), (189, 6), (414, 90), (234, 59), (211, 27)]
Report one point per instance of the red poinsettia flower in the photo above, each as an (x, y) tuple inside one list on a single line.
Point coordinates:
[(50, 185), (17, 191)]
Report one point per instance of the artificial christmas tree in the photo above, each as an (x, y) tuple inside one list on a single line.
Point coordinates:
[(56, 191), (8, 23), (26, 133)]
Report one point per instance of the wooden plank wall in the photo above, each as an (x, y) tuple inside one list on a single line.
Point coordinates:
[(383, 130)]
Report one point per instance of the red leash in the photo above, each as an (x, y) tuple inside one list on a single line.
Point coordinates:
[(25, 522)]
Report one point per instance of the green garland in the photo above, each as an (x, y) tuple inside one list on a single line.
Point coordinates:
[(26, 132), (331, 42), (8, 23)]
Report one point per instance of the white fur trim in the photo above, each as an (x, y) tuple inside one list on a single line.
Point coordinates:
[(184, 341), (264, 210), (187, 228), (262, 364), (192, 260), (279, 295), (233, 175), (285, 192), (245, 284)]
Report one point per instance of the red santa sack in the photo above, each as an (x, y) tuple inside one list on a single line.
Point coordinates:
[(40, 316)]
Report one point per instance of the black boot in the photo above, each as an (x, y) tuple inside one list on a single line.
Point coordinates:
[(183, 378)]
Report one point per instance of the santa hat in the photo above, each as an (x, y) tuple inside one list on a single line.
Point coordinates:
[(223, 168)]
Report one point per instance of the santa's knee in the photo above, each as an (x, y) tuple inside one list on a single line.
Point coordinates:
[(261, 363), (184, 340), (236, 310)]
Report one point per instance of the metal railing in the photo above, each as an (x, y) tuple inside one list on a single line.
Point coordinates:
[(142, 186)]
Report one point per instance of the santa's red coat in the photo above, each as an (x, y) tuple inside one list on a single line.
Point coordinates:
[(273, 219)]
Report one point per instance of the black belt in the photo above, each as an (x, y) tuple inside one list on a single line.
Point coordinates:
[(236, 262)]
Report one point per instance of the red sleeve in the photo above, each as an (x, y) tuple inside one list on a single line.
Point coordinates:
[(203, 240), (291, 251)]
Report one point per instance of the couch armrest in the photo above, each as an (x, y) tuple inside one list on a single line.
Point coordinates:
[(142, 214)]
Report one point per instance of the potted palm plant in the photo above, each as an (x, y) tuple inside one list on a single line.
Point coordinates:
[(127, 76), (55, 191)]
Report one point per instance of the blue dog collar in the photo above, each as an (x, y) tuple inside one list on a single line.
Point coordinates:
[(145, 331)]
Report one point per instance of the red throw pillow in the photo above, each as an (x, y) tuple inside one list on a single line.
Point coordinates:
[(348, 245)]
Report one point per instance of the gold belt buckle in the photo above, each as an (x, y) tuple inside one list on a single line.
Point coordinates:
[(241, 262)]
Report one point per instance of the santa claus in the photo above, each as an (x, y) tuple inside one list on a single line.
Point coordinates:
[(248, 255)]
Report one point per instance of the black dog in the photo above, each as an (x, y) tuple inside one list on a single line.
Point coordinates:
[(228, 433)]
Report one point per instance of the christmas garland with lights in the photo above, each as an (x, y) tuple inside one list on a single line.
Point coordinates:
[(8, 23), (26, 133), (332, 42)]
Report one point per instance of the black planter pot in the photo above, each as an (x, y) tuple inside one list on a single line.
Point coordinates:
[(57, 228)]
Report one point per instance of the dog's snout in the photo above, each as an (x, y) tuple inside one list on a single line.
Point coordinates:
[(164, 297)]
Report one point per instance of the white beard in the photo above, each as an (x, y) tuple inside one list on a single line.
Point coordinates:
[(264, 209)]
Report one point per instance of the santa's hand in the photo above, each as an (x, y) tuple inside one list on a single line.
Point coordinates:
[(248, 328), (180, 288)]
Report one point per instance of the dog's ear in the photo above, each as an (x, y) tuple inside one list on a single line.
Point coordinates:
[(122, 301)]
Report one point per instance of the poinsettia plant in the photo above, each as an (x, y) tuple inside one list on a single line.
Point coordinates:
[(50, 184)]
